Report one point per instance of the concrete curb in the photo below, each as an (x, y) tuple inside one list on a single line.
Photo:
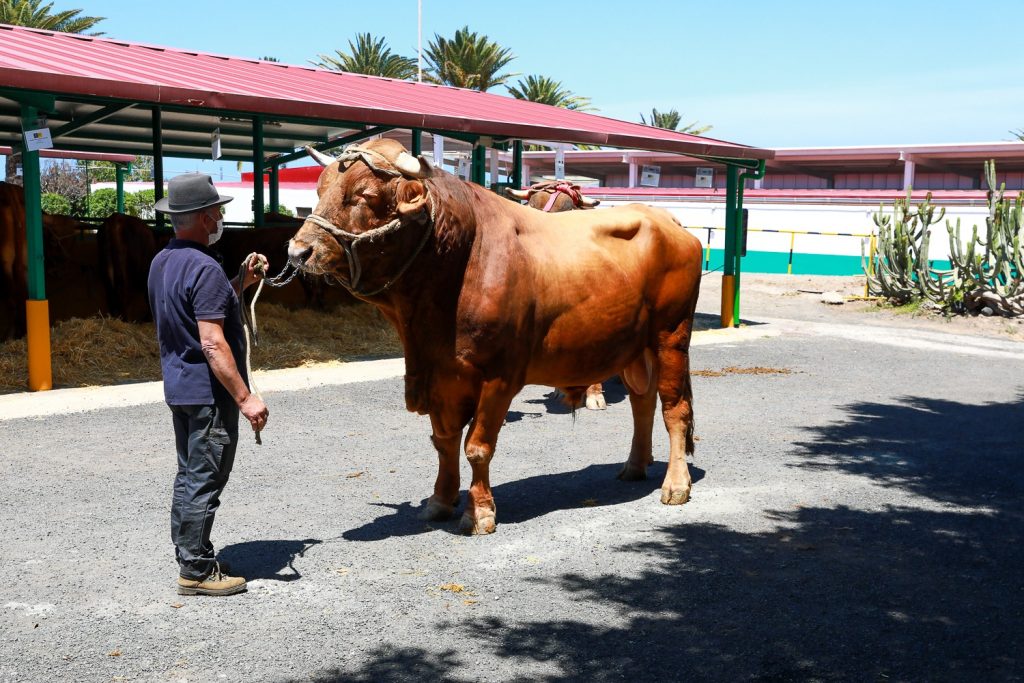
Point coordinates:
[(77, 400)]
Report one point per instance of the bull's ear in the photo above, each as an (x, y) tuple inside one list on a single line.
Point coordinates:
[(411, 198)]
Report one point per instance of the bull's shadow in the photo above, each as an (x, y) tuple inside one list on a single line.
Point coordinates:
[(272, 560), (526, 499), (923, 588)]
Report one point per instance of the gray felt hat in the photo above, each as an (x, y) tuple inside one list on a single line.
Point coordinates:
[(190, 192)]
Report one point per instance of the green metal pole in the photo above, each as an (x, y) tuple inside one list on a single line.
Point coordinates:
[(37, 310), (119, 173), (517, 164), (257, 168), (478, 171), (738, 222), (158, 163), (417, 142), (275, 192), (33, 211)]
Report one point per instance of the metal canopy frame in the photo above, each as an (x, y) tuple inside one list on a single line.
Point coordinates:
[(112, 125)]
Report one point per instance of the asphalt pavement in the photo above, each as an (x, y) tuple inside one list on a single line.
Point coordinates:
[(856, 516)]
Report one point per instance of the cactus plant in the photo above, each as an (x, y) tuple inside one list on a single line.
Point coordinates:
[(901, 271), (989, 272)]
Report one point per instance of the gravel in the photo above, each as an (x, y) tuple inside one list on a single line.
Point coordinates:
[(857, 519)]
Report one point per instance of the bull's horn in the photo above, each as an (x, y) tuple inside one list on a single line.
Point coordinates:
[(588, 202), (320, 157), (517, 194), (413, 167)]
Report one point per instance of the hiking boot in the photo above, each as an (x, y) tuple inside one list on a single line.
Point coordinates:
[(217, 583)]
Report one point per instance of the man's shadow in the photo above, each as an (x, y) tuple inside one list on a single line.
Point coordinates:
[(272, 560)]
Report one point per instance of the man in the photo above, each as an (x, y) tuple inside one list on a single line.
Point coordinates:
[(202, 356)]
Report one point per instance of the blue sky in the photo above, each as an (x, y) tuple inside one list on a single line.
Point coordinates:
[(771, 74)]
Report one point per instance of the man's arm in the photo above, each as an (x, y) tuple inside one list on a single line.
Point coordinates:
[(218, 355)]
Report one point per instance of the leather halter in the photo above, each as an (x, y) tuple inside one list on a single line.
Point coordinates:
[(349, 241)]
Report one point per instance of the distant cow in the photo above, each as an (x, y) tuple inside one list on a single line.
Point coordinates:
[(13, 261), (126, 246), (488, 296)]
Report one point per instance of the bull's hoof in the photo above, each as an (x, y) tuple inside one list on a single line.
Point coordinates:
[(436, 511), (596, 402), (478, 526), (675, 496), (632, 473)]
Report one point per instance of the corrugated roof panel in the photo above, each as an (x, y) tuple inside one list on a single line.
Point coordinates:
[(83, 65)]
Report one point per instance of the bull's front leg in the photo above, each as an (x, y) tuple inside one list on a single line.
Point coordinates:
[(446, 437), (495, 398)]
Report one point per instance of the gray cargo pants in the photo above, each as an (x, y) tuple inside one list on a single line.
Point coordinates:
[(205, 437)]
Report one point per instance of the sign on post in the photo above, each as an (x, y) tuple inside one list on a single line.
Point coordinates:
[(650, 176), (38, 139), (215, 143), (705, 177)]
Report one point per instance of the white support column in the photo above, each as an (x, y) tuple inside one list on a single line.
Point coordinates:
[(908, 170), (634, 172), (439, 151), (526, 175), (560, 162), (495, 167)]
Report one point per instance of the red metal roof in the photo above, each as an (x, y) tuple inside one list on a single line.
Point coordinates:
[(77, 65)]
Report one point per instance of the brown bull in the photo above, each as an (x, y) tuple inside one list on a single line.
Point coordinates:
[(555, 196), (13, 260), (126, 247), (488, 296)]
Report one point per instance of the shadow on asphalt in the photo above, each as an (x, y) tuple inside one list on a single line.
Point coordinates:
[(882, 593), (272, 560), (526, 499)]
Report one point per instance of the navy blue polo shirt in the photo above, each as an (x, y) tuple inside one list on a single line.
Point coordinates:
[(187, 284)]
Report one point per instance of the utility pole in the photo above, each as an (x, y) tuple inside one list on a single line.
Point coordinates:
[(419, 41)]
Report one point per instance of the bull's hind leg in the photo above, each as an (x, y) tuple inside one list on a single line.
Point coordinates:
[(677, 409), (643, 405), (495, 398), (595, 397)]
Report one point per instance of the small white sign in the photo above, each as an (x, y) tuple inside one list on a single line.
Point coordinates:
[(705, 177), (464, 168), (559, 167), (38, 139), (215, 143), (650, 176)]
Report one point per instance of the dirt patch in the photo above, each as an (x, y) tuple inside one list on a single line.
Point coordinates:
[(731, 370), (799, 297)]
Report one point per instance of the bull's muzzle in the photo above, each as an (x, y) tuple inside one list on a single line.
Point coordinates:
[(299, 254)]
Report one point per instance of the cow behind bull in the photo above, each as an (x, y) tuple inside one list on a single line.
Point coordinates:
[(488, 296), (555, 196)]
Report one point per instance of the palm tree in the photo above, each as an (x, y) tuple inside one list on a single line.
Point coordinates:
[(468, 60), (29, 13), (670, 120), (548, 91), (371, 57)]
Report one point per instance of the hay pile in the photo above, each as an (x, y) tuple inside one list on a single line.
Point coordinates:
[(103, 351)]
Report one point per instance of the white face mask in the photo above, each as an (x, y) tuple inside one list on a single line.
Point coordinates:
[(216, 236)]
